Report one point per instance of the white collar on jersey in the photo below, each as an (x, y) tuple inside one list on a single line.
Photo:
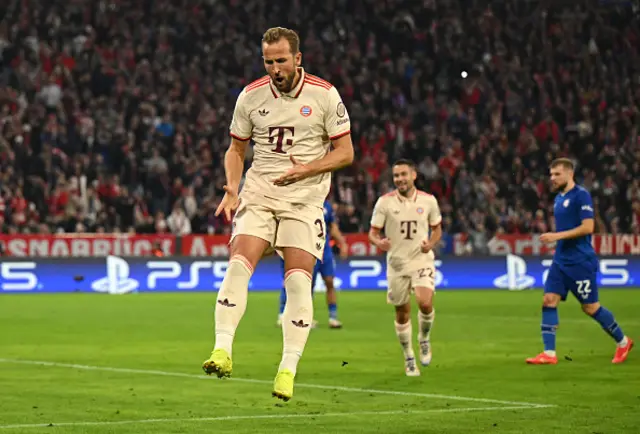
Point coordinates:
[(295, 92)]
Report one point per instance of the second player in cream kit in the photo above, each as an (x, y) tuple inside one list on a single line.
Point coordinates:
[(406, 222)]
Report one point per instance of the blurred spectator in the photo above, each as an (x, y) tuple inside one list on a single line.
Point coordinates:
[(178, 222), (115, 113)]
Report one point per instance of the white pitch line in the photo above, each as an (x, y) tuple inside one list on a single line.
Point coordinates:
[(250, 380), (271, 416)]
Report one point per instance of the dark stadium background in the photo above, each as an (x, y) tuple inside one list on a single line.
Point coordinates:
[(115, 114)]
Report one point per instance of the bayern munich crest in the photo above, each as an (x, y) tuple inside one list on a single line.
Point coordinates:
[(305, 111), (420, 210)]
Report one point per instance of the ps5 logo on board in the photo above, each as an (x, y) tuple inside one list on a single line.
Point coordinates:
[(516, 278), (117, 280)]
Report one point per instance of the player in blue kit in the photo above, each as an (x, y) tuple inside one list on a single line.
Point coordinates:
[(575, 265), (326, 268)]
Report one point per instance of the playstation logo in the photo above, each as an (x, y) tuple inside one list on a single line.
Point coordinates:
[(516, 277), (117, 280)]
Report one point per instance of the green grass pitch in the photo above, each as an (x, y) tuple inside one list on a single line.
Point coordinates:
[(92, 363)]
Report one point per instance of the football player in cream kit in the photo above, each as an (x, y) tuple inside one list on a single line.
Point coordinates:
[(411, 221), (294, 119)]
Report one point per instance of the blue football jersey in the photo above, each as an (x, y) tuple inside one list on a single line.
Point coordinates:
[(570, 209), (328, 221)]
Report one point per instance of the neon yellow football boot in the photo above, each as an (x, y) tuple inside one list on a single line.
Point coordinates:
[(283, 385), (219, 363)]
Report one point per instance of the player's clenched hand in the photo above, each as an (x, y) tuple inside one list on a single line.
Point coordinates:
[(384, 244), (297, 173), (425, 246), (229, 202), (549, 237)]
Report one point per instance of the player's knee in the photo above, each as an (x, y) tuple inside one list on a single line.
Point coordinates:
[(551, 300), (424, 298), (295, 258), (425, 306), (402, 317), (403, 314), (590, 308), (249, 247)]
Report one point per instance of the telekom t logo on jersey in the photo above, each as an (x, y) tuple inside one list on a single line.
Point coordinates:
[(408, 228), (278, 134)]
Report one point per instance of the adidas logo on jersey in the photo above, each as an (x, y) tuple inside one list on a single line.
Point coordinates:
[(263, 112)]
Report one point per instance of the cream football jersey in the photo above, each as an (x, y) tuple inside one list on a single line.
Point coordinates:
[(301, 123), (406, 223)]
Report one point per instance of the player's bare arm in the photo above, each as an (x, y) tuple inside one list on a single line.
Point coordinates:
[(586, 228), (434, 238), (341, 156), (233, 168), (376, 238), (335, 233)]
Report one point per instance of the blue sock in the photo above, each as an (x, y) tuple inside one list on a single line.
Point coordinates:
[(333, 311), (283, 300), (608, 323), (548, 327)]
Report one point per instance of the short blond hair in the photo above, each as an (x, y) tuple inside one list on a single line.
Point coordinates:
[(564, 162), (274, 34)]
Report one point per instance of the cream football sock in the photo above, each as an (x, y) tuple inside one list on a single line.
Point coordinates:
[(296, 318), (425, 322), (232, 301), (403, 331)]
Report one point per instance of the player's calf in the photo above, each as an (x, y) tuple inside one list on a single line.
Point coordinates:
[(550, 322), (296, 323), (314, 323), (548, 327), (231, 302), (426, 317), (404, 333), (425, 322), (607, 321), (332, 304), (297, 318)]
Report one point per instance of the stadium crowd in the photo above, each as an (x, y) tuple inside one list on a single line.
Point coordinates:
[(115, 113)]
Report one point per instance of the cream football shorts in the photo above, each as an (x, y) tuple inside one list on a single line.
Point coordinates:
[(282, 224), (400, 287)]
